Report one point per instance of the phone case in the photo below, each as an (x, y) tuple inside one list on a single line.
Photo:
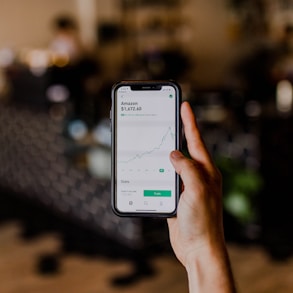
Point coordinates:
[(144, 85)]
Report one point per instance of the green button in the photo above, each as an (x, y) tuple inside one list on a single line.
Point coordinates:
[(164, 193)]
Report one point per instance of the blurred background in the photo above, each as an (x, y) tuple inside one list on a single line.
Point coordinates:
[(58, 61)]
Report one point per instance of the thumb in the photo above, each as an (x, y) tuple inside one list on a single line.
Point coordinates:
[(186, 168), (176, 158)]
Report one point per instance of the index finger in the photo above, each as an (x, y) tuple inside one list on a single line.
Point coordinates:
[(195, 144)]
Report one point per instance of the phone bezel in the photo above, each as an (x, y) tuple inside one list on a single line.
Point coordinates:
[(143, 85)]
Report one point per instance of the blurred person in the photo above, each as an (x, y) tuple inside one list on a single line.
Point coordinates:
[(66, 41), (196, 233), (73, 68)]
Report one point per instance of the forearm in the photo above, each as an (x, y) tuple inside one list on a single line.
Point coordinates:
[(209, 270)]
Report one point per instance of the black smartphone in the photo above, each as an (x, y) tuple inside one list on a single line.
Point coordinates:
[(146, 127)]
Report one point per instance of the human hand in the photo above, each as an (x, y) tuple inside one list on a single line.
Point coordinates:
[(198, 224), (196, 233)]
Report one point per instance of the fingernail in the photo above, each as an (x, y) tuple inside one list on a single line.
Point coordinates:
[(176, 154)]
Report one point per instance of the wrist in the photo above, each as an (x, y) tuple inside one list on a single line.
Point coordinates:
[(208, 269), (203, 254), (203, 249)]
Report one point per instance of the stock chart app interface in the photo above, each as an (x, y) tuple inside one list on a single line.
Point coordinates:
[(145, 136)]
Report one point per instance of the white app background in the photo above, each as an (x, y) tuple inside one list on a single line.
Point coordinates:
[(145, 138)]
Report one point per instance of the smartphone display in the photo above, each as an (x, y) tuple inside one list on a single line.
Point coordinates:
[(145, 129)]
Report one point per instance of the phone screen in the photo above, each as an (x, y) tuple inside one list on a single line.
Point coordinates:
[(146, 127)]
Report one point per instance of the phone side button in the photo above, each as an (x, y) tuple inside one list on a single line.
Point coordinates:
[(110, 117)]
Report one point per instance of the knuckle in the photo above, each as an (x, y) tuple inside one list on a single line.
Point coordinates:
[(189, 163)]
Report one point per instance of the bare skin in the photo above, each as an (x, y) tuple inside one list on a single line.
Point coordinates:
[(196, 233)]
